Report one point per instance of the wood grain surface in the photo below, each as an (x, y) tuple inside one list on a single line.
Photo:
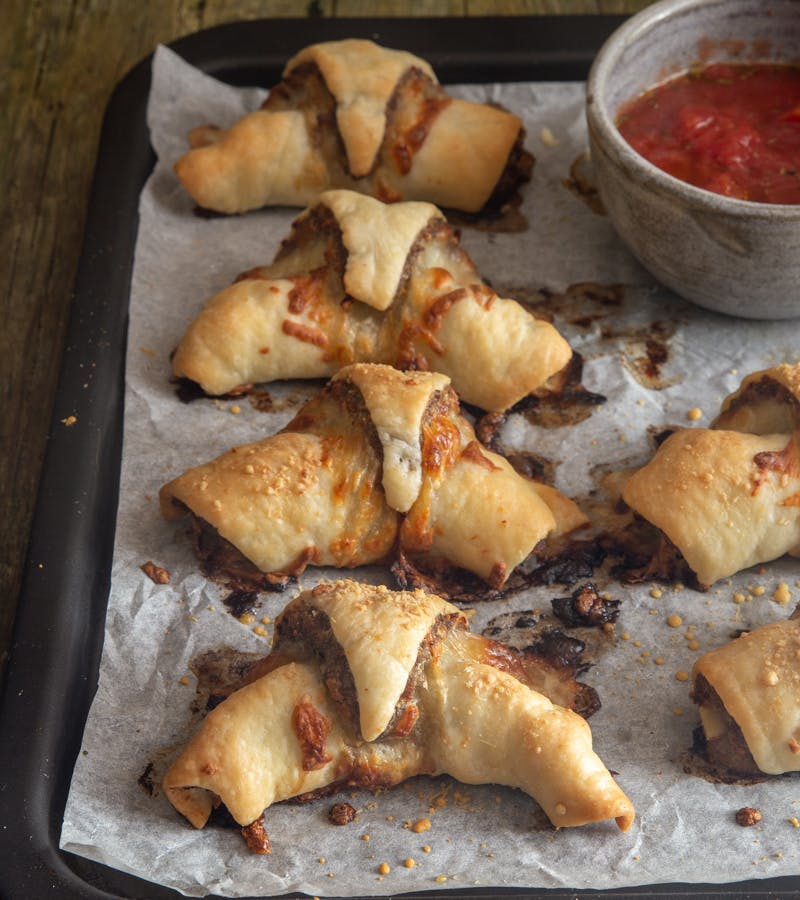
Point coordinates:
[(59, 63)]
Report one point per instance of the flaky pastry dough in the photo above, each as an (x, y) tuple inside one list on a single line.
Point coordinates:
[(362, 281), (729, 497), (351, 114), (439, 708), (379, 466), (748, 693)]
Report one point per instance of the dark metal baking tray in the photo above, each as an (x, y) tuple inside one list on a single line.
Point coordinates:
[(52, 672)]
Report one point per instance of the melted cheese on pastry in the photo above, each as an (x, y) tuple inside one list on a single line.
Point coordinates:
[(707, 492), (351, 114), (332, 487), (284, 734), (361, 281)]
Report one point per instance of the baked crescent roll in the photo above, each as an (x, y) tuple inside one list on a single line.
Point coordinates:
[(378, 466), (358, 280), (371, 687), (729, 497), (748, 692), (351, 114), (767, 402)]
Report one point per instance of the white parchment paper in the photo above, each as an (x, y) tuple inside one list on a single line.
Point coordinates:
[(141, 715)]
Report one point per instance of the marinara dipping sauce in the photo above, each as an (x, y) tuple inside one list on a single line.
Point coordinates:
[(729, 128)]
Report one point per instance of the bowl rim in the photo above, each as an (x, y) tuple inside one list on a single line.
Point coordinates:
[(603, 126)]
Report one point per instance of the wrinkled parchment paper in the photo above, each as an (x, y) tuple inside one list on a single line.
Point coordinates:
[(141, 715)]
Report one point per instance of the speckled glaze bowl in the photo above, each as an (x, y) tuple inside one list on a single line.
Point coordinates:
[(731, 256)]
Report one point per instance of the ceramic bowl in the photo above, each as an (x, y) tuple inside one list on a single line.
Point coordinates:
[(728, 255)]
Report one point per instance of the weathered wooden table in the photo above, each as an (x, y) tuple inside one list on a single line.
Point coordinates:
[(59, 63)]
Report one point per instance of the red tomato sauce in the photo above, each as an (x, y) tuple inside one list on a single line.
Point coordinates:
[(732, 129)]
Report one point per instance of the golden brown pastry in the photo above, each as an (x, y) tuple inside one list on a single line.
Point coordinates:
[(378, 467), (748, 692), (371, 687), (729, 497), (362, 281), (351, 114)]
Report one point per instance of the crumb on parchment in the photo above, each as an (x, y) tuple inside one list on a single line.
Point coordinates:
[(747, 816)]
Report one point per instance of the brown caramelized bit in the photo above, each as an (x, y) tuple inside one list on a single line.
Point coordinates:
[(406, 722), (413, 138), (145, 780), (532, 465), (240, 602), (560, 650), (187, 391), (256, 836), (473, 453), (450, 583), (585, 607), (747, 816), (581, 184), (220, 560), (546, 675), (341, 814), (311, 729), (155, 573), (304, 333), (563, 400), (783, 462), (575, 561)]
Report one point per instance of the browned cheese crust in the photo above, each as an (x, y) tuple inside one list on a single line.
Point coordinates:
[(350, 114), (729, 497), (371, 687), (359, 281), (378, 467)]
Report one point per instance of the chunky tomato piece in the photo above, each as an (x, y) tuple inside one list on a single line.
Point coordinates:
[(728, 128)]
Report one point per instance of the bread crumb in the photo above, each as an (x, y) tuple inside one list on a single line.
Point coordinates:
[(70, 420), (747, 816), (384, 868), (409, 863), (260, 631), (738, 597), (793, 822), (656, 593), (694, 414), (236, 409), (247, 618), (157, 574), (626, 635), (421, 825), (548, 138), (183, 680), (758, 590), (674, 621), (681, 675), (782, 594)]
